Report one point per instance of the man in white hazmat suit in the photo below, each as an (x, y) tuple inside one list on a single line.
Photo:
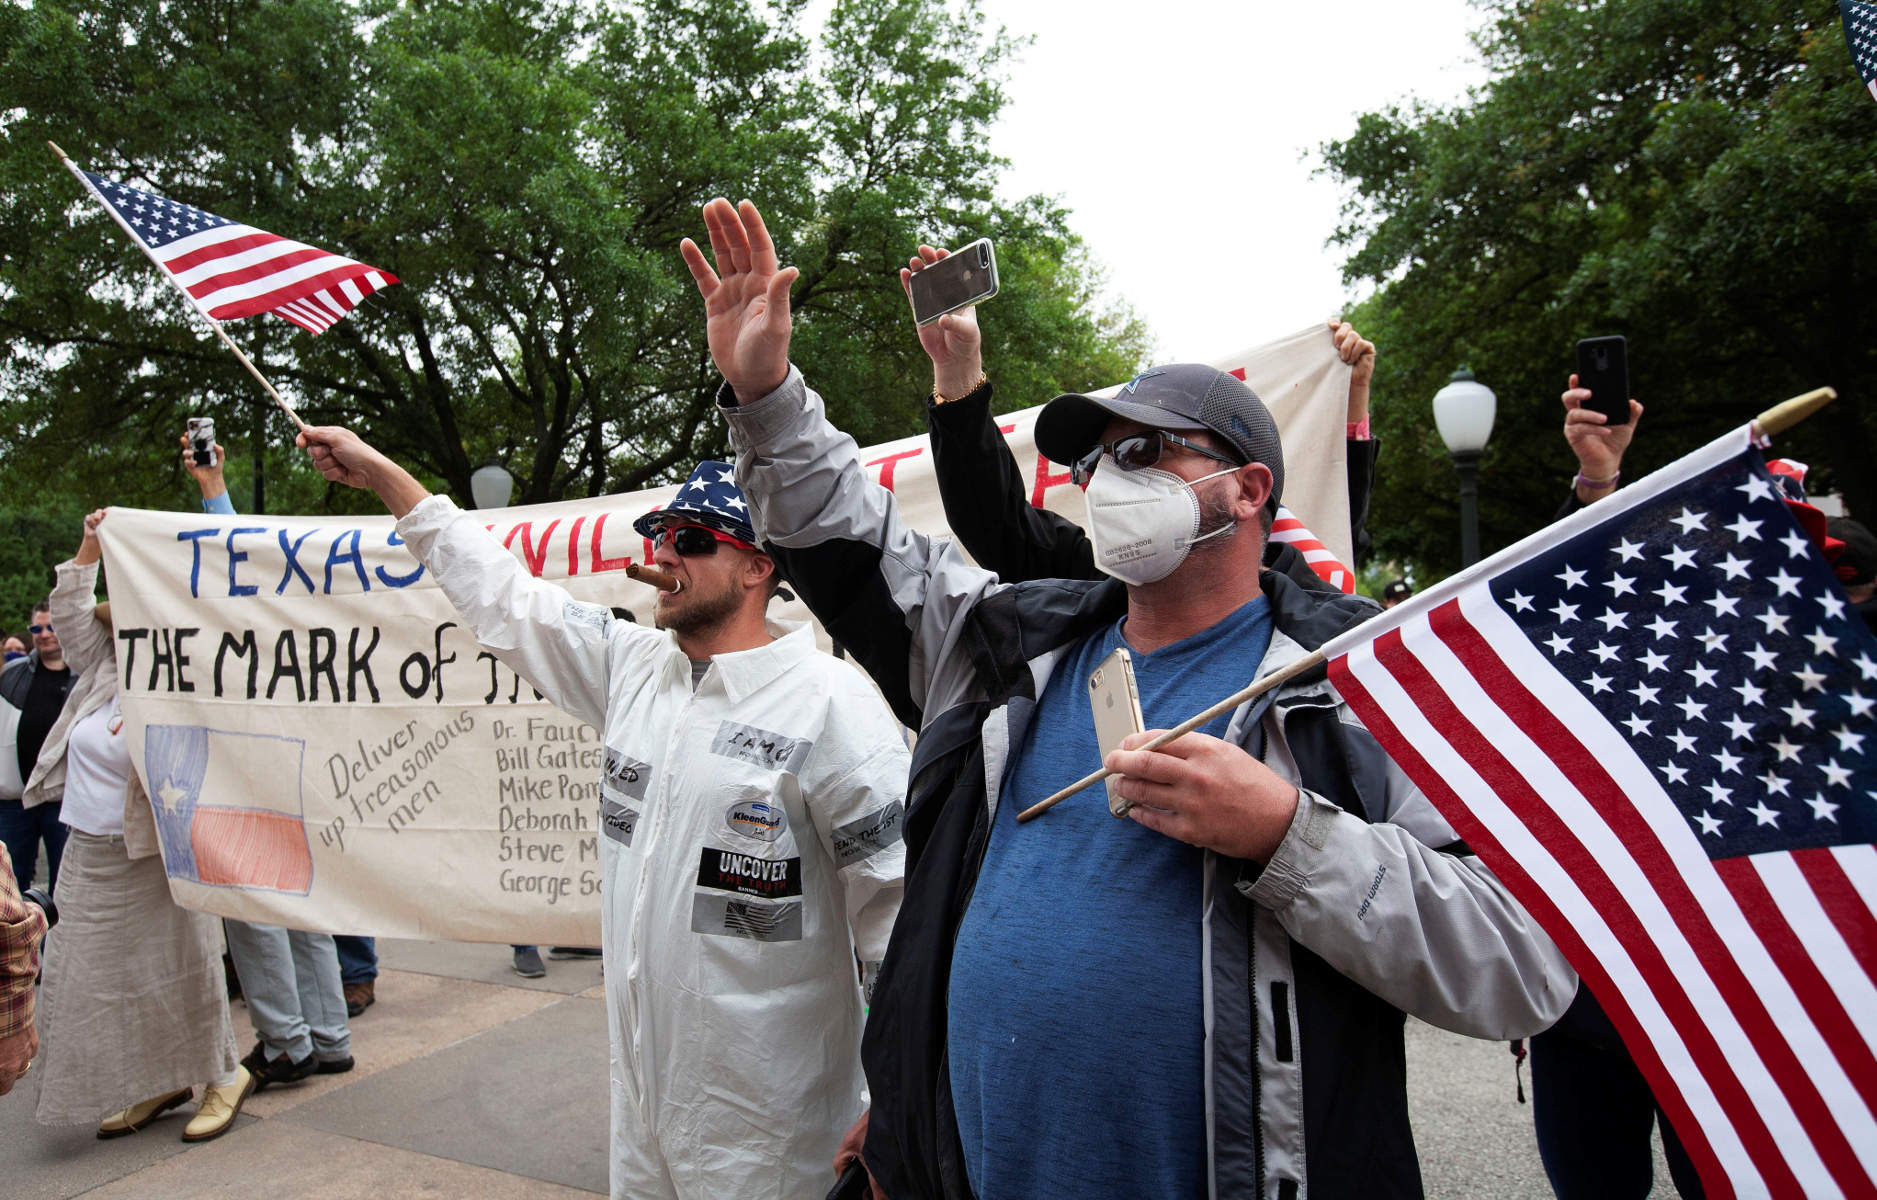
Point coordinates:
[(751, 806)]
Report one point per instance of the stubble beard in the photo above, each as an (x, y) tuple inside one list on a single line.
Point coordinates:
[(700, 613)]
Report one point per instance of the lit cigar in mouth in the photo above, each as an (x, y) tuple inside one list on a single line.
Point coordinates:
[(664, 581)]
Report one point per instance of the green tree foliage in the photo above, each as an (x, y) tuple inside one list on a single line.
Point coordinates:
[(1692, 174), (527, 167)]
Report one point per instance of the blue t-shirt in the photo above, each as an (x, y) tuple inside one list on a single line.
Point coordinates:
[(1076, 1033)]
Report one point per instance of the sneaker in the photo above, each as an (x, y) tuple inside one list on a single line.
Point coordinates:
[(267, 1070), (220, 1106), (359, 997), (528, 963), (573, 951), (129, 1121), (334, 1066)]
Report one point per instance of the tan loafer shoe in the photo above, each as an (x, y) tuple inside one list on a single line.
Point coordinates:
[(122, 1124), (219, 1108)]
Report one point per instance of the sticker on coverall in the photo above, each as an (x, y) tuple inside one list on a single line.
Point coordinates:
[(626, 775), (867, 836), (746, 917), (618, 821), (729, 871), (757, 820), (761, 748)]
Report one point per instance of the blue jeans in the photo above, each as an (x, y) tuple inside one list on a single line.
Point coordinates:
[(358, 958), (22, 829), (1592, 1111), (290, 979)]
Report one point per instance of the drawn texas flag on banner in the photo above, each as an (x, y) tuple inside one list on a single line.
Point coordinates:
[(1654, 722), (261, 844)]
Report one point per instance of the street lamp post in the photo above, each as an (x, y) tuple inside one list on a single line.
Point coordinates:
[(1463, 412), (490, 486)]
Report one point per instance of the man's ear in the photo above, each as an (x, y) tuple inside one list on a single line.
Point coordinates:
[(1254, 483), (758, 570)]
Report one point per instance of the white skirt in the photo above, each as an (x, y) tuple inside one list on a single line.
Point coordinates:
[(134, 1003)]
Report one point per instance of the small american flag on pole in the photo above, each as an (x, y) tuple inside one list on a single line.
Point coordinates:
[(233, 270), (1654, 720), (1860, 34)]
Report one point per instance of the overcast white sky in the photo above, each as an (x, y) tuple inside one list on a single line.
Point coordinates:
[(1182, 135)]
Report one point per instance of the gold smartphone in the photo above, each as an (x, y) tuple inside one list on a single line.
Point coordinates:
[(1116, 703)]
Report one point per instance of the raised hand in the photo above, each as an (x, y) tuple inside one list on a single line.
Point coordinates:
[(1598, 445), (208, 478), (746, 299), (953, 342), (344, 457), (88, 549)]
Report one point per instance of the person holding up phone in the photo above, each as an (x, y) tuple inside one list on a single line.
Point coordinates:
[(1598, 444), (986, 501), (1240, 950)]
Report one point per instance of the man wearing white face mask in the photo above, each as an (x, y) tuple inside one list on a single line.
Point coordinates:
[(1238, 955)]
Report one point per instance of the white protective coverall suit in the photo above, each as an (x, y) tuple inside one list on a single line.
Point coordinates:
[(747, 827)]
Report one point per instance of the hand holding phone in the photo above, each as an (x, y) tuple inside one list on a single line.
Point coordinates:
[(954, 281), (1116, 703), (953, 342)]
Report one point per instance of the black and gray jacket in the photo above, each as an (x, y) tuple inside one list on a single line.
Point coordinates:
[(1370, 908)]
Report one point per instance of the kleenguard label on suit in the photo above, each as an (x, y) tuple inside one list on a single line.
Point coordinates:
[(730, 871), (736, 916)]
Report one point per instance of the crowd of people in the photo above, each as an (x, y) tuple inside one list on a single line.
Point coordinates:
[(876, 978)]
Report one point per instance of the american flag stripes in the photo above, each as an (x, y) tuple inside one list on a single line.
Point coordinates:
[(1860, 34), (233, 270), (1654, 721), (1289, 529)]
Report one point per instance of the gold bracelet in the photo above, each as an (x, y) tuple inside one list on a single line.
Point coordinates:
[(982, 379)]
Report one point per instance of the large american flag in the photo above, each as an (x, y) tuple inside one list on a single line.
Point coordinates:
[(1654, 721), (1860, 34), (234, 270)]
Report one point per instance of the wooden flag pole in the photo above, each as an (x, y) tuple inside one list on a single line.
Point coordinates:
[(1777, 419), (1787, 413), (193, 303)]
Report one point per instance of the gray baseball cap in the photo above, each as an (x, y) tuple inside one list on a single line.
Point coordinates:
[(1180, 396)]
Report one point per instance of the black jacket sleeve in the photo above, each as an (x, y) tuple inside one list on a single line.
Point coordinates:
[(987, 505), (1361, 458)]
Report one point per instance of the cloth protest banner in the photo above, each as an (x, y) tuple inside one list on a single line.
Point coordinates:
[(1653, 720), (326, 748)]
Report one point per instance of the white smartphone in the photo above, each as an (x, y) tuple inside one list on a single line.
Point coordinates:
[(960, 279), (1116, 703)]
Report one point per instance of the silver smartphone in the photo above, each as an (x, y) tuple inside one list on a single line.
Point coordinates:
[(1116, 703), (960, 279)]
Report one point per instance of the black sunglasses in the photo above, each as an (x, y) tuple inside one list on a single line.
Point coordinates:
[(1138, 450), (37, 629), (692, 541)]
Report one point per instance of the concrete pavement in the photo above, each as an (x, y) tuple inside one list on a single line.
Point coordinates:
[(472, 1082)]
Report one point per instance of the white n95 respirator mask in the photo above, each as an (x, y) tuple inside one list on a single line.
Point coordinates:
[(1144, 522)]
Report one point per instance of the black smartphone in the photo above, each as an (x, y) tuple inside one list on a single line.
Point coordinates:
[(1603, 367), (959, 280), (852, 1185)]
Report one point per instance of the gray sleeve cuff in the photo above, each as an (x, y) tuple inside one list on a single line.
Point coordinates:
[(1288, 871), (757, 422)]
